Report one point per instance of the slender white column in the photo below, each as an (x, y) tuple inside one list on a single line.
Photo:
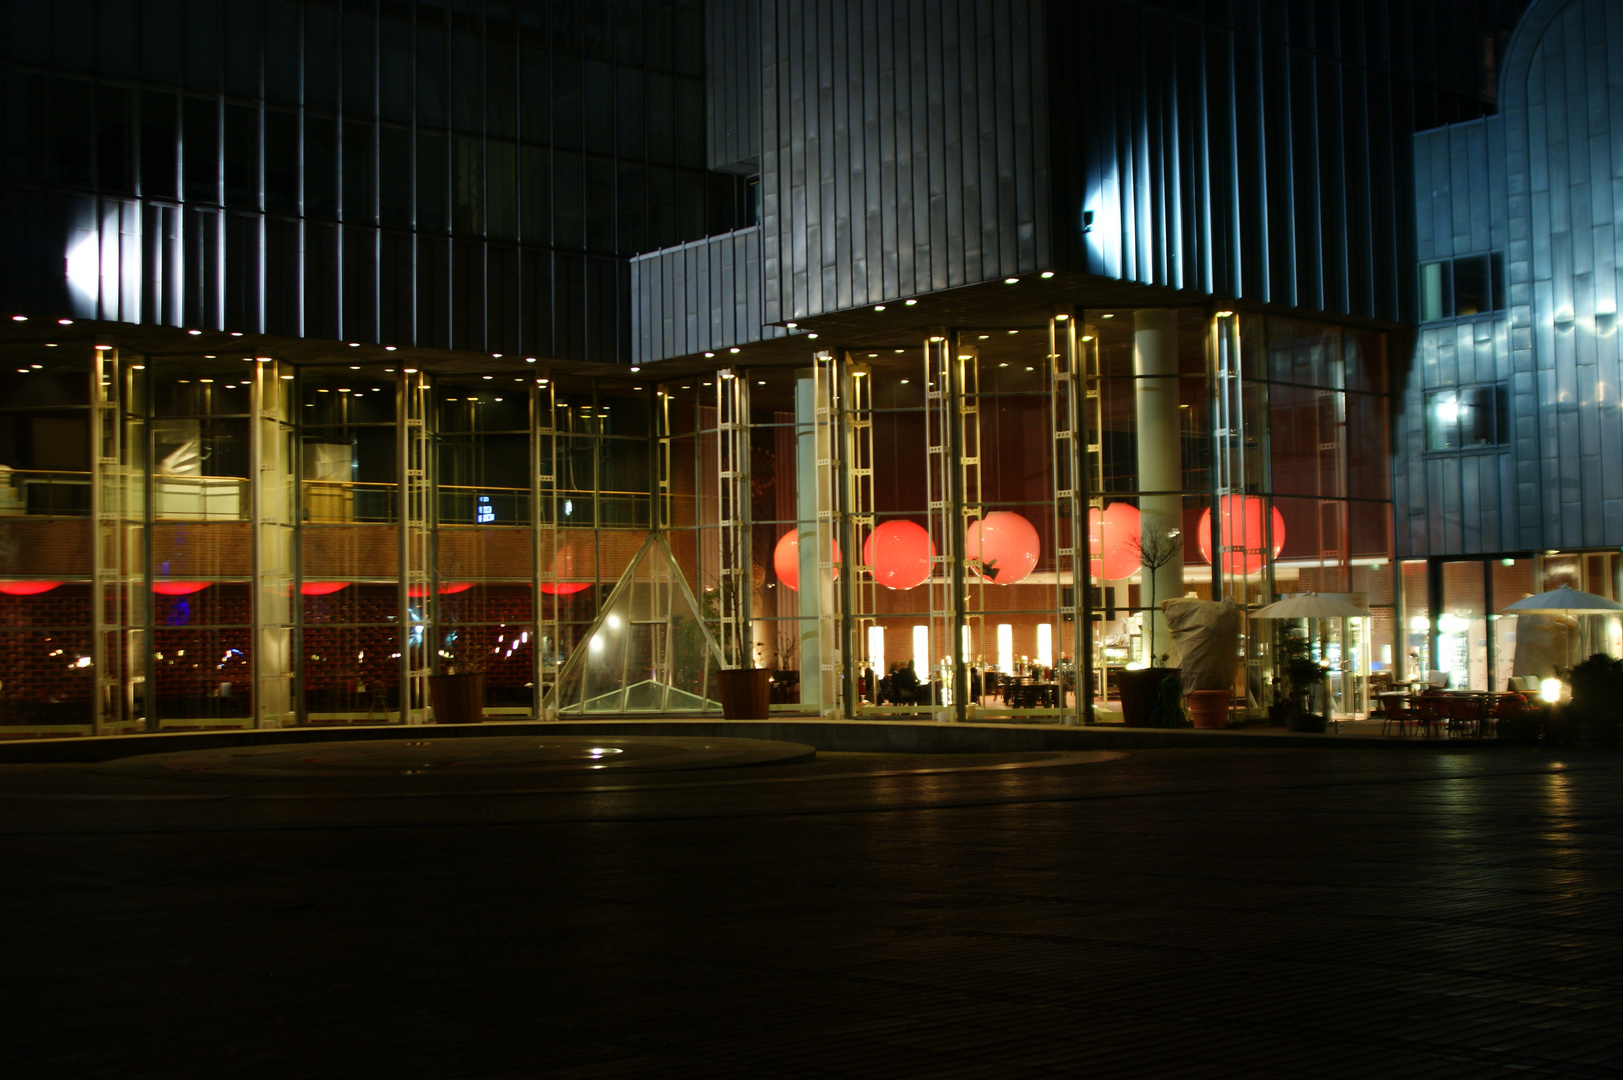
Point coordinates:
[(1160, 453), (816, 596)]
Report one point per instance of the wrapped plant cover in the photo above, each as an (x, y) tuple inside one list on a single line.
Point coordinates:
[(1206, 634), (1544, 643)]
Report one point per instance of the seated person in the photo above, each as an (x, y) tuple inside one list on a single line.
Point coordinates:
[(907, 685)]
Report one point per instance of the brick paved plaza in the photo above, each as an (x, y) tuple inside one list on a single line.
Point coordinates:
[(1166, 913)]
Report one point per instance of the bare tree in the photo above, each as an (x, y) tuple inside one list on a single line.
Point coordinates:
[(1156, 546)]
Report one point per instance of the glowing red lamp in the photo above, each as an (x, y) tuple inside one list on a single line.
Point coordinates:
[(564, 588), (1006, 545), (27, 588), (1112, 532), (900, 554), (1241, 524), (179, 588), (786, 559), (322, 588)]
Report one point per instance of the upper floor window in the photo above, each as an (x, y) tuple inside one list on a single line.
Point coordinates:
[(1468, 285), (1468, 418)]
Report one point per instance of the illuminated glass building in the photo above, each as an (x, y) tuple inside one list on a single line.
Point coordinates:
[(349, 343)]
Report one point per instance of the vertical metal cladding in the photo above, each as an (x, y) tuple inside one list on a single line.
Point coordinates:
[(469, 176), (902, 149), (1258, 152), (732, 45)]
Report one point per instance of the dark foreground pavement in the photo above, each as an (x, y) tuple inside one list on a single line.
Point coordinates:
[(1167, 913)]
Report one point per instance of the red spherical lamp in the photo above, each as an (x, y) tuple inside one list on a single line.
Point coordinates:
[(1005, 544), (900, 554), (1112, 536), (27, 588), (786, 559), (1241, 525), (179, 588)]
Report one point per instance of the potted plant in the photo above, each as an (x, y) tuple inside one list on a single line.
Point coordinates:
[(1297, 676), (1597, 700), (1140, 688), (456, 691)]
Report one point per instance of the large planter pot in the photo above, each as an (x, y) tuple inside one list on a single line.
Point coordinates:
[(1306, 723), (1209, 709), (1138, 688), (457, 699), (745, 693)]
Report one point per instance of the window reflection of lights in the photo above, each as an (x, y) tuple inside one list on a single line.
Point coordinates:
[(1448, 409), (597, 643)]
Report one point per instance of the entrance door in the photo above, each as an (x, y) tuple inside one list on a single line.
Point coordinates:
[(1345, 647)]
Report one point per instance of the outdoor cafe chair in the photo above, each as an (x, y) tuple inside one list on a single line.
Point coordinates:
[(1431, 711)]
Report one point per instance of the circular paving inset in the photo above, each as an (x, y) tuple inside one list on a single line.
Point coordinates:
[(466, 757)]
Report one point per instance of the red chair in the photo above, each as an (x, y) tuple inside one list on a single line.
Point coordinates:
[(1431, 711)]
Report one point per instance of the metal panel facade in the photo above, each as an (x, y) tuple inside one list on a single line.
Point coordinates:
[(1541, 186), (903, 149)]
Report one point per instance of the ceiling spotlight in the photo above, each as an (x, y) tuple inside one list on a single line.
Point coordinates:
[(194, 333), (529, 359), (811, 335), (879, 307), (497, 355), (354, 367), (1225, 314), (411, 371), (635, 367), (19, 318), (286, 377), (1087, 337), (1047, 274), (236, 333), (50, 344), (143, 367), (791, 325), (103, 348), (733, 349), (36, 367), (1011, 281), (709, 354), (1108, 315), (1061, 317)]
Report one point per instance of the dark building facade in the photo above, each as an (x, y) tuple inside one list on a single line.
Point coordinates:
[(354, 343)]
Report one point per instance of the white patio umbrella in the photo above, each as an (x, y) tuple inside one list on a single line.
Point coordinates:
[(1310, 606), (1563, 601)]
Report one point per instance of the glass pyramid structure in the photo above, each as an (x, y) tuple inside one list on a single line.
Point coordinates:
[(648, 652)]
